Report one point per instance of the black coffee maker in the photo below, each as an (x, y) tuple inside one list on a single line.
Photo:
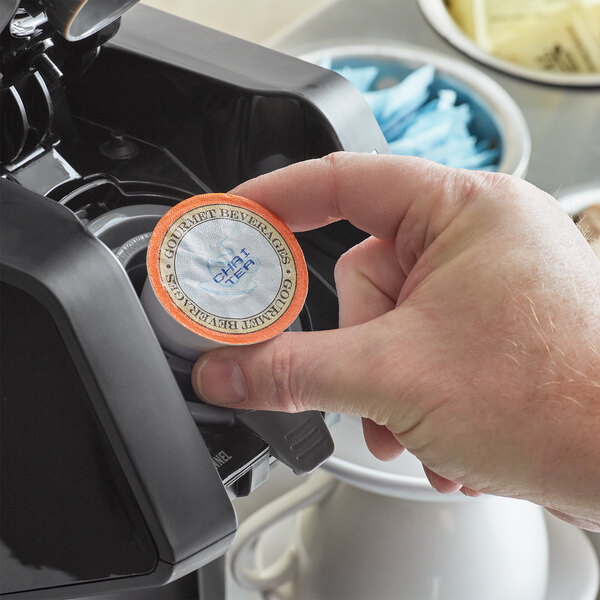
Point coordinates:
[(113, 475)]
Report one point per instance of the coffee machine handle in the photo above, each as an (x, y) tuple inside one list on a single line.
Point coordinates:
[(301, 441)]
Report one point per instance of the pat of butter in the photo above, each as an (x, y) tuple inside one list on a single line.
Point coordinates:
[(222, 270)]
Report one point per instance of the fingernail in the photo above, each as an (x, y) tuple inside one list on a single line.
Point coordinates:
[(220, 381)]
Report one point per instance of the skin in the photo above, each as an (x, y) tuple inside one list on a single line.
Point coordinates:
[(469, 329)]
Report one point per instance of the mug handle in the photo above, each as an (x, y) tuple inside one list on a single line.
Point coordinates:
[(315, 490)]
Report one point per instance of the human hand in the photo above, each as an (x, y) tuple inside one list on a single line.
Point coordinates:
[(470, 328)]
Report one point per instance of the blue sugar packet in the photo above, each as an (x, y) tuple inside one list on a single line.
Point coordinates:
[(391, 105), (435, 127), (477, 161), (417, 122), (398, 128), (360, 77), (452, 150)]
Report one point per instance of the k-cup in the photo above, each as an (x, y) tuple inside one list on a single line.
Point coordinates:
[(222, 270)]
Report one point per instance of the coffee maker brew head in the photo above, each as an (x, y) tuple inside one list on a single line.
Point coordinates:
[(77, 19)]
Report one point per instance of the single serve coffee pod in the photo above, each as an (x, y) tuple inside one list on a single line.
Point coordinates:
[(222, 270)]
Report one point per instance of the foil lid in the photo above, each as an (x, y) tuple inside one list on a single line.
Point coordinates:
[(226, 270)]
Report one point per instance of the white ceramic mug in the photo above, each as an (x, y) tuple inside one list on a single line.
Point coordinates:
[(347, 542)]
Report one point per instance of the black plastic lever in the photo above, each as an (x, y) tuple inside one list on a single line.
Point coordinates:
[(206, 414), (301, 441)]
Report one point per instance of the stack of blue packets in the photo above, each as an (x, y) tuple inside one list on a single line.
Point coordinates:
[(415, 123)]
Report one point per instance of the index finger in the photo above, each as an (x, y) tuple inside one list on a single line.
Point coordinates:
[(373, 192)]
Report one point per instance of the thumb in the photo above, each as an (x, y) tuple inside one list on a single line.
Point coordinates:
[(325, 370)]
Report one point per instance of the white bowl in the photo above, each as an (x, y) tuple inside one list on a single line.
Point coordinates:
[(575, 199), (439, 18), (495, 113)]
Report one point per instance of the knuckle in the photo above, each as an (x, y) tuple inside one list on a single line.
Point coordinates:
[(344, 266), (356, 260), (468, 186), (332, 159), (461, 190), (422, 406), (488, 180), (284, 382), (332, 163)]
